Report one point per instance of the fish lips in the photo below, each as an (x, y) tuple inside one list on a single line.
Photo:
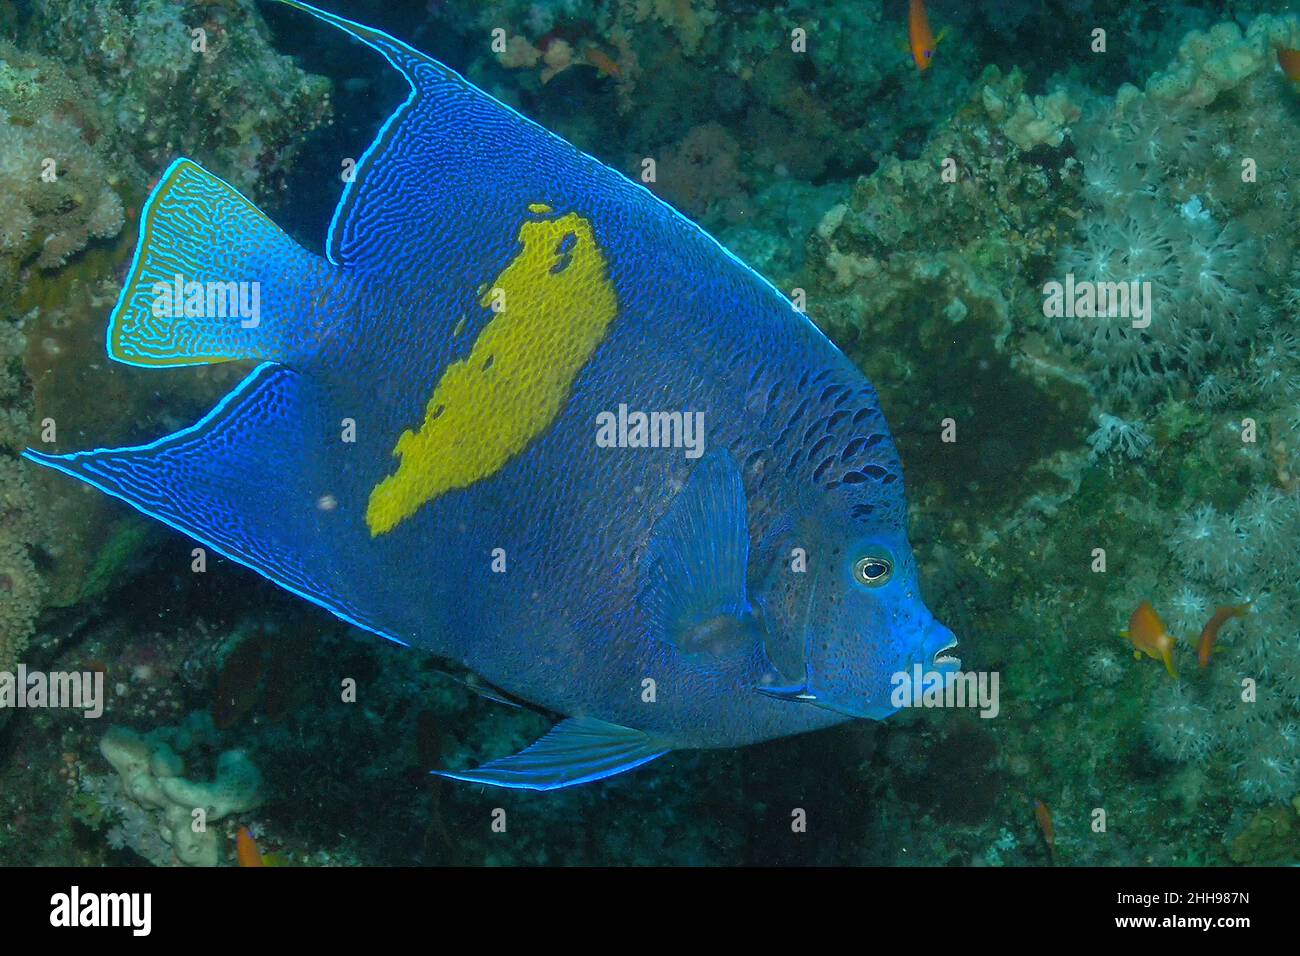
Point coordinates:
[(935, 654), (935, 657)]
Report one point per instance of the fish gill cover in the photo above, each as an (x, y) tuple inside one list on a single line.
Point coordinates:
[(579, 350)]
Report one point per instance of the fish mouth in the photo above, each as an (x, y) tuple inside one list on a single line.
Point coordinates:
[(945, 661)]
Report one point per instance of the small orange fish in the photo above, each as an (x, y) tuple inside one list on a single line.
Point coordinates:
[(246, 851), (920, 39), (605, 64), (1211, 631), (1044, 817), (1289, 61), (1147, 633)]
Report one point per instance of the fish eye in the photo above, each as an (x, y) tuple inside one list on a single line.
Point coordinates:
[(873, 570)]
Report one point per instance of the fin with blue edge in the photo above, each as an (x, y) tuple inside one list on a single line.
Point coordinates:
[(452, 166), (412, 178), (213, 279), (235, 482), (693, 572), (577, 750), (439, 195)]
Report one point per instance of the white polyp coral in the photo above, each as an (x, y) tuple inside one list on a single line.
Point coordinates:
[(1248, 702), (1207, 544), (1214, 267), (1188, 611), (1275, 360), (1114, 434), (1167, 203), (1268, 770), (1201, 293), (1182, 729)]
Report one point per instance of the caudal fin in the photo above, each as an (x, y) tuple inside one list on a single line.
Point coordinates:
[(213, 279)]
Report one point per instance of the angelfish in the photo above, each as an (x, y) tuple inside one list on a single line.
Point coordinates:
[(416, 450)]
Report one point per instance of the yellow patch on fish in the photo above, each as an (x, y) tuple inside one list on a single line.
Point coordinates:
[(554, 304)]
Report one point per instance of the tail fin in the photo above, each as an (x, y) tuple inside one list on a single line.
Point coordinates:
[(213, 279)]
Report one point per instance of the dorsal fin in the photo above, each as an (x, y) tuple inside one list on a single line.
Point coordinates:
[(442, 189), (385, 194)]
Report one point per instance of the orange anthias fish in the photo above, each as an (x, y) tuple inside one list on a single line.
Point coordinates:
[(1147, 633), (920, 39), (605, 64), (1044, 817), (1211, 631), (1289, 60), (246, 851)]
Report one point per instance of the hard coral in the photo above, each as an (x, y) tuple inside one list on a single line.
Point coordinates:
[(701, 170), (1219, 59), (58, 182), (225, 95)]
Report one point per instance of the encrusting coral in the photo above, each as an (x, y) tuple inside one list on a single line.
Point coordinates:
[(58, 180), (21, 522), (195, 77), (183, 810)]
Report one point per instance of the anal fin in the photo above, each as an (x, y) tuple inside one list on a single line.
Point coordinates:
[(236, 482), (577, 750)]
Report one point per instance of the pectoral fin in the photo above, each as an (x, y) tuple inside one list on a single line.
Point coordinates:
[(577, 750), (694, 569)]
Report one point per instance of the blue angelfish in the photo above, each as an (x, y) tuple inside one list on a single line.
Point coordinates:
[(527, 417)]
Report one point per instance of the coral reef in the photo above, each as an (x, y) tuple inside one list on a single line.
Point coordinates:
[(21, 588), (701, 170), (922, 217), (1114, 435), (22, 525), (942, 257), (823, 101), (939, 283), (94, 99), (1272, 838), (1183, 183), (152, 777), (194, 78), (57, 178), (1029, 121), (1243, 715)]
